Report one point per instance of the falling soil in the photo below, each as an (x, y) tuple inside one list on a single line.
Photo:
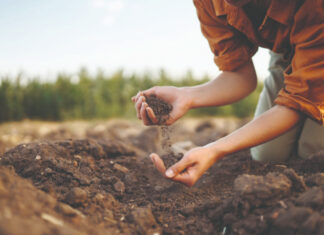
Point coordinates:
[(162, 111), (91, 186)]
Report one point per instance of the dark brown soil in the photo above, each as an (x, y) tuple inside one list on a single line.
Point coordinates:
[(94, 187), (171, 158), (160, 108)]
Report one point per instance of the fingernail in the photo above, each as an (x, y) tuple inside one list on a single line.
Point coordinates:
[(169, 173)]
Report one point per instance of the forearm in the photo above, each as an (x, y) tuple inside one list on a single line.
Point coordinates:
[(227, 88), (268, 126)]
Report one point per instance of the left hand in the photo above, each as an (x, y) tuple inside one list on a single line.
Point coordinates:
[(190, 168)]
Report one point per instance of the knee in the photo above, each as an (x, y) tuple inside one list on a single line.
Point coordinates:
[(268, 153)]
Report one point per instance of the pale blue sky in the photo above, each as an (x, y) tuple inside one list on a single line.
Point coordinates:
[(45, 37)]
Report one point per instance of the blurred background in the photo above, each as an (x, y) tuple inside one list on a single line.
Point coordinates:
[(70, 60)]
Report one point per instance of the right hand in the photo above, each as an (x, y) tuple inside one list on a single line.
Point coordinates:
[(177, 97)]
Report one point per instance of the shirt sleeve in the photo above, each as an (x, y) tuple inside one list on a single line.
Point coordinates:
[(304, 78), (231, 48)]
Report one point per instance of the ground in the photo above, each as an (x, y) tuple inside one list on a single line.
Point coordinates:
[(96, 178)]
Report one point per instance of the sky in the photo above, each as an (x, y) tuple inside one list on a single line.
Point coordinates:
[(43, 38)]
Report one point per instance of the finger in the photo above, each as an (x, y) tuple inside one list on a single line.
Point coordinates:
[(170, 120), (151, 115), (173, 116), (138, 106), (138, 95), (151, 91), (158, 163), (185, 178), (133, 99), (178, 167), (143, 114)]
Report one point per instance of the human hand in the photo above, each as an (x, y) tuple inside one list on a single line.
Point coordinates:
[(177, 97), (190, 168)]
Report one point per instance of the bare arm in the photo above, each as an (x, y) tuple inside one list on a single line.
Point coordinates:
[(271, 124), (227, 88)]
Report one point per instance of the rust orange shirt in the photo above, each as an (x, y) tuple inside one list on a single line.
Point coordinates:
[(292, 27)]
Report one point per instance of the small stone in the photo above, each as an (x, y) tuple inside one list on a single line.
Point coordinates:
[(48, 171), (119, 186), (99, 197), (120, 168), (75, 163), (38, 157), (77, 157), (51, 219), (69, 211), (146, 222), (76, 196)]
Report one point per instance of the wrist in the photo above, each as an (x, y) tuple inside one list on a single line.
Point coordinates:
[(217, 149), (188, 97)]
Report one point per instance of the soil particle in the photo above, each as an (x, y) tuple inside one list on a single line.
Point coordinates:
[(68, 211), (119, 186), (120, 168), (146, 223), (76, 196)]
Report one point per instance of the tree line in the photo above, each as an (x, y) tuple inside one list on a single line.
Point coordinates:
[(97, 96)]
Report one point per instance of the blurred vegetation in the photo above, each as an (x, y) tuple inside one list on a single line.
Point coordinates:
[(96, 96)]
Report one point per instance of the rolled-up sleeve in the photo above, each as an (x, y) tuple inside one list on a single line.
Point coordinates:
[(304, 78), (231, 49)]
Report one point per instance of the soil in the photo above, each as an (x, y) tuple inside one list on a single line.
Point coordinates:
[(108, 186), (162, 111), (160, 108)]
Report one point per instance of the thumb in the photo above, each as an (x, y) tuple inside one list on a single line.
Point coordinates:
[(177, 168)]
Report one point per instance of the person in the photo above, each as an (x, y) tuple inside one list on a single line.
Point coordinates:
[(290, 112)]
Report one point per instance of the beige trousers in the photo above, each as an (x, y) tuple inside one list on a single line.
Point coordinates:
[(303, 140)]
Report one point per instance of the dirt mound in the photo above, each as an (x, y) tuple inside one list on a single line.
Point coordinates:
[(281, 202), (105, 182), (94, 187)]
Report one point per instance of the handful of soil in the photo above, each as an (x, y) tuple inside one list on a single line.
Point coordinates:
[(171, 158), (160, 108)]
